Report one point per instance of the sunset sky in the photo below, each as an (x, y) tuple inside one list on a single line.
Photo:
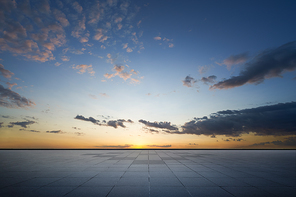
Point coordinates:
[(147, 74)]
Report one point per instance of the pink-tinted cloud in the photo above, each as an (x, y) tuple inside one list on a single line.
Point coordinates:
[(234, 59), (157, 38), (83, 68), (129, 50), (77, 7), (10, 85), (65, 58), (61, 17), (5, 73)]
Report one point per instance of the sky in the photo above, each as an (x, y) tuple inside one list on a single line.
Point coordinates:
[(127, 74)]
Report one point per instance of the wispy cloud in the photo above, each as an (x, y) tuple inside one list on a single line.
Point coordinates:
[(11, 99), (77, 7), (56, 132), (116, 146), (10, 85), (290, 141), (33, 131), (268, 64), (65, 58), (235, 59), (157, 38), (160, 146)]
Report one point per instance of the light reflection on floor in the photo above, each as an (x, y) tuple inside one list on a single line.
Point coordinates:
[(147, 173)]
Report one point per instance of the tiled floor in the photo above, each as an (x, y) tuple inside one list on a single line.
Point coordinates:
[(147, 173)]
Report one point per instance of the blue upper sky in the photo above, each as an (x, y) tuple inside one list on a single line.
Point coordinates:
[(148, 69)]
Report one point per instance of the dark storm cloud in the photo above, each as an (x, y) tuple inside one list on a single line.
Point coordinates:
[(90, 119), (290, 141), (57, 132), (23, 124), (188, 81), (159, 146), (159, 125), (11, 99), (270, 63), (209, 79), (277, 120)]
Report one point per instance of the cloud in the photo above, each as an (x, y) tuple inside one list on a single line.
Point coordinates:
[(192, 144), (108, 76), (290, 141), (276, 120), (79, 133), (84, 39), (209, 79), (90, 119), (235, 59), (92, 96), (188, 81), (65, 58), (119, 71), (6, 117), (34, 131), (77, 7), (118, 20), (23, 124), (268, 64), (56, 132), (117, 123), (171, 45), (10, 85), (125, 46), (100, 35), (57, 64), (83, 68), (157, 38), (104, 95), (76, 128), (159, 125), (5, 73), (159, 146), (61, 17), (118, 146), (11, 99), (203, 69), (124, 75), (79, 28), (129, 50), (1, 123)]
